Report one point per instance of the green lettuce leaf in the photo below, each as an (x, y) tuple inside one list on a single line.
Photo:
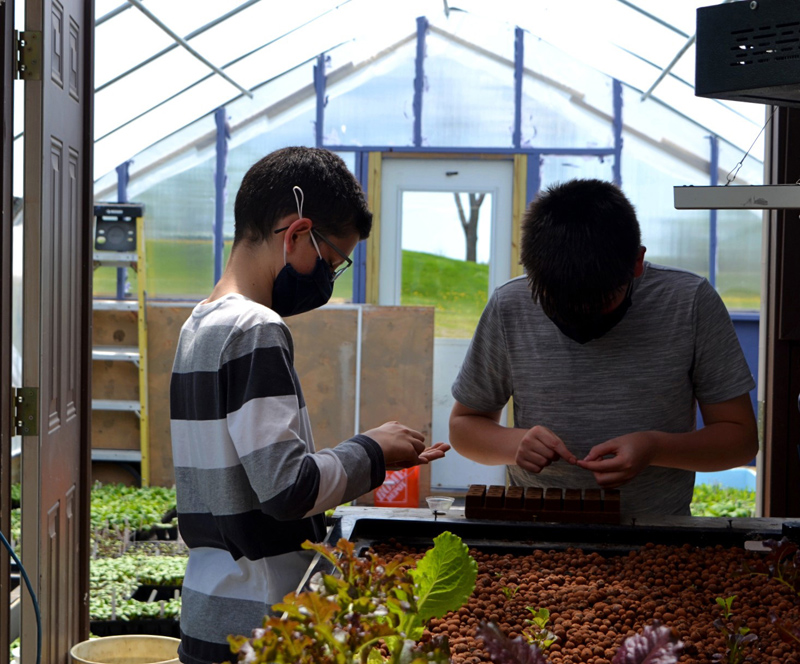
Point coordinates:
[(445, 578)]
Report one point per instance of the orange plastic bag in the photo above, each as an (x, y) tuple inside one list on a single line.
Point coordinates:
[(399, 489)]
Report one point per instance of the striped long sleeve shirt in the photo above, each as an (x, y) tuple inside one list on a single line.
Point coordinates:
[(250, 486)]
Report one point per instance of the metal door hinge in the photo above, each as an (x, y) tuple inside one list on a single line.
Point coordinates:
[(26, 411), (29, 55)]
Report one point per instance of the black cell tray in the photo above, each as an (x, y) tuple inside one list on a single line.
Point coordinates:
[(155, 627), (166, 593), (155, 534)]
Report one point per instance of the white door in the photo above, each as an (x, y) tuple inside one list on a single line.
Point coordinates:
[(446, 231)]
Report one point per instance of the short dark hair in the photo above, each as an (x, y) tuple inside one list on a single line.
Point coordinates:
[(333, 198), (580, 244)]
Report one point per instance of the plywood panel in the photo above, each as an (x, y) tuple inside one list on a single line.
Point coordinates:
[(115, 430), (115, 380), (113, 473), (114, 328), (396, 376), (397, 372), (326, 348), (163, 329)]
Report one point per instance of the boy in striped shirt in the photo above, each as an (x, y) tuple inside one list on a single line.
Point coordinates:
[(250, 485)]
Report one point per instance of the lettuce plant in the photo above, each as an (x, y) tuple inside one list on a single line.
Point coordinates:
[(736, 640), (367, 611), (736, 635), (537, 631), (726, 605), (781, 564), (503, 650), (655, 645), (788, 631)]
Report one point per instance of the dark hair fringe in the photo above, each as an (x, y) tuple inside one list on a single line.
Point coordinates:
[(580, 244), (333, 198)]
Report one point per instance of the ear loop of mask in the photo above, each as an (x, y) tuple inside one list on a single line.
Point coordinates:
[(299, 198)]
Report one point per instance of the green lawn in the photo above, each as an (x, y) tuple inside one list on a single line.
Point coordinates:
[(457, 289)]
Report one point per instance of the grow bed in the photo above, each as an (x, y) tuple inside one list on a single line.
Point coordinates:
[(601, 583)]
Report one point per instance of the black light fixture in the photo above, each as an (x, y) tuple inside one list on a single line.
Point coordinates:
[(749, 51)]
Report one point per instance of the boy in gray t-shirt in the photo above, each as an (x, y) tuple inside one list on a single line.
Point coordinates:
[(606, 357)]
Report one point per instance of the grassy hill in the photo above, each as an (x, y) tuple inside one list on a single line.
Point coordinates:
[(458, 290)]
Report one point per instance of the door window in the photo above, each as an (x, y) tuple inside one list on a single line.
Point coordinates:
[(446, 242)]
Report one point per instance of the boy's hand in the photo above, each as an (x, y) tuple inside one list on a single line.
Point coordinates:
[(404, 447), (435, 451), (617, 461), (539, 448)]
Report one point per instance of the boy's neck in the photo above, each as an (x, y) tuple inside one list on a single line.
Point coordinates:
[(250, 272)]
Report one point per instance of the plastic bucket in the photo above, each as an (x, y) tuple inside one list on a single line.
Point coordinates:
[(128, 649), (399, 489)]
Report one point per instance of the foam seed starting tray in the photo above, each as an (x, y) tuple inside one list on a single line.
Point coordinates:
[(518, 503)]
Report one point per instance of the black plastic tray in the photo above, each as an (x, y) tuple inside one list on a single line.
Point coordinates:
[(166, 593), (155, 627)]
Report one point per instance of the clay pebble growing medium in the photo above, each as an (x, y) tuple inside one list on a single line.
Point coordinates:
[(595, 601)]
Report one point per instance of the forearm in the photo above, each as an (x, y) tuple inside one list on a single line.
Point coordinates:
[(484, 440), (717, 446)]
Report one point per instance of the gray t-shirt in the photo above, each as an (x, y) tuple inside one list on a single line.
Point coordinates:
[(675, 346)]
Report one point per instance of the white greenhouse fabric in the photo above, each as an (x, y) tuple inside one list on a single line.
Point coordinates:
[(258, 41), (150, 89)]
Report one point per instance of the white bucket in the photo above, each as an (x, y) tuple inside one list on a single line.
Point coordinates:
[(128, 649)]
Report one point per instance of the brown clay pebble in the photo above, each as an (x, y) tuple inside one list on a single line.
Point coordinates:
[(596, 602)]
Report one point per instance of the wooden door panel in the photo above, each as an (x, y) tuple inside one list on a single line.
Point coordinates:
[(58, 205), (6, 221)]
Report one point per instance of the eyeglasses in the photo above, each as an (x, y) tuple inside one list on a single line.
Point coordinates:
[(299, 197), (335, 274)]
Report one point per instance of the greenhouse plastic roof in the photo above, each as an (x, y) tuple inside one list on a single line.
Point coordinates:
[(162, 65)]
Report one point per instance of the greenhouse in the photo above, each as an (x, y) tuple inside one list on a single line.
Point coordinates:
[(129, 128)]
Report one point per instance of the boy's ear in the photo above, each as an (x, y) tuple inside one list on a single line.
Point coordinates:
[(638, 269), (298, 227)]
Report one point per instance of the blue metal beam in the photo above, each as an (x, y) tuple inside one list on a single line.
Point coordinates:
[(220, 188), (617, 123), (319, 88), (712, 214), (360, 254), (534, 178), (419, 78), (123, 177), (519, 59)]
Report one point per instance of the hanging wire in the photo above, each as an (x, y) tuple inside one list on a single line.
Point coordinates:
[(33, 597), (735, 170)]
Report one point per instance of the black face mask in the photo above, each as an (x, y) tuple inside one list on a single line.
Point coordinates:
[(294, 293), (595, 326)]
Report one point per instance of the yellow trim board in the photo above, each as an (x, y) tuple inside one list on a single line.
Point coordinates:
[(518, 206), (144, 415)]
